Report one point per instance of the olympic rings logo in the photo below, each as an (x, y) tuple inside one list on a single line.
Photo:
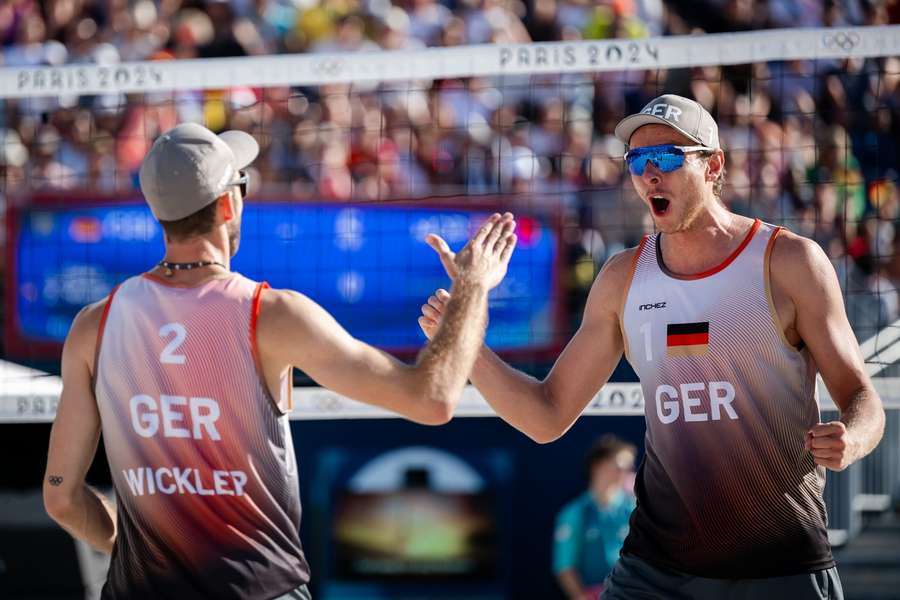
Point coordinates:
[(842, 40), (328, 67)]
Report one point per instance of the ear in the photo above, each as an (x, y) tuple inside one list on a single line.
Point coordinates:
[(715, 164), (226, 207)]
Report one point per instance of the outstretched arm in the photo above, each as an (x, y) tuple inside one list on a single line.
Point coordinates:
[(294, 330), (78, 508), (544, 410), (803, 272)]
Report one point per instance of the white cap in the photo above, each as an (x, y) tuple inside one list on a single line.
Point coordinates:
[(681, 114), (189, 167)]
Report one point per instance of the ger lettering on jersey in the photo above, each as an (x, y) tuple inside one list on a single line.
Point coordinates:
[(726, 488), (201, 455)]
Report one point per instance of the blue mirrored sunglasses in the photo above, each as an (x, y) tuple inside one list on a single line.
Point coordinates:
[(666, 157)]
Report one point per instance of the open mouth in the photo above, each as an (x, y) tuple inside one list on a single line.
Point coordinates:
[(660, 205)]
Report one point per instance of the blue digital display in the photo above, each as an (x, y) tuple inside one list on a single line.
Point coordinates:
[(367, 265)]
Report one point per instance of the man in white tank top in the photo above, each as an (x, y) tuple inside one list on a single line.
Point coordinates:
[(726, 321), (186, 369)]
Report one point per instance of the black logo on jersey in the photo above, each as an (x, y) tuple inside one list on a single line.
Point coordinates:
[(651, 306)]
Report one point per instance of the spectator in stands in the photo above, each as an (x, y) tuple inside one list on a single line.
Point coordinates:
[(807, 140)]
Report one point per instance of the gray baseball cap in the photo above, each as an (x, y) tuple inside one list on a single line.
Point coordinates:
[(679, 113), (189, 166)]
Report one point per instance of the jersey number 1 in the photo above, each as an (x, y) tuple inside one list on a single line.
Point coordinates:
[(168, 356), (648, 342)]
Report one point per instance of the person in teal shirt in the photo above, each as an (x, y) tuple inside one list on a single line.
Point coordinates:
[(591, 528)]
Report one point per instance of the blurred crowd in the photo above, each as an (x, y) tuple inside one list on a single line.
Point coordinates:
[(812, 145)]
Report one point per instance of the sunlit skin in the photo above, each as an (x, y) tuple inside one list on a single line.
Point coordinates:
[(699, 233), (693, 220)]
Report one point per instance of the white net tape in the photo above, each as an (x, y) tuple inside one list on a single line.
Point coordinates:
[(464, 61)]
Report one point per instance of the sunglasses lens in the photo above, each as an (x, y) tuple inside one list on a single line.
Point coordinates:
[(637, 164), (669, 161), (664, 159), (245, 180)]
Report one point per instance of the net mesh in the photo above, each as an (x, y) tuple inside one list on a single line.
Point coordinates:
[(809, 122)]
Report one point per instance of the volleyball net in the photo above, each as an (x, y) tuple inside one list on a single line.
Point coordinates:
[(363, 154)]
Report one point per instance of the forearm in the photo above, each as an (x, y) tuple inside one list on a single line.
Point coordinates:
[(448, 358), (864, 418), (89, 516), (518, 398)]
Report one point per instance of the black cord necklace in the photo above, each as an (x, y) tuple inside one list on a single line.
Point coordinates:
[(171, 267)]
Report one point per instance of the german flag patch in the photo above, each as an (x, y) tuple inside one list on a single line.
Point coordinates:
[(687, 339)]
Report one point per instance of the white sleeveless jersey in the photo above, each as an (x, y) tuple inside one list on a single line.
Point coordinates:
[(201, 456), (725, 489)]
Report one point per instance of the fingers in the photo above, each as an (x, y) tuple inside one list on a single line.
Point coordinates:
[(498, 230), (430, 312), (827, 442), (435, 306), (439, 299), (428, 326), (826, 454), (826, 435), (443, 250), (835, 443), (438, 243), (509, 226), (507, 251), (827, 429), (485, 229)]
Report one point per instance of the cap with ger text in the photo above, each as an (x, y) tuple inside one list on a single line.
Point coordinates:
[(189, 166), (682, 114)]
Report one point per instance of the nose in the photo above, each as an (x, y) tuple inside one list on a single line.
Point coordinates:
[(651, 175)]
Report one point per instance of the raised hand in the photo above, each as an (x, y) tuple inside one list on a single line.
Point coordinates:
[(433, 311), (484, 259)]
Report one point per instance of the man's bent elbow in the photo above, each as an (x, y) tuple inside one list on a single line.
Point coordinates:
[(544, 435), (58, 504), (438, 410), (552, 426)]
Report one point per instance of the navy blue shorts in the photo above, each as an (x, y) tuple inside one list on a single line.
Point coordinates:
[(635, 579)]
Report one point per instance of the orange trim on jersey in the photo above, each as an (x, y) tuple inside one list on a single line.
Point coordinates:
[(100, 329), (289, 388), (254, 347), (634, 262), (716, 269), (776, 321)]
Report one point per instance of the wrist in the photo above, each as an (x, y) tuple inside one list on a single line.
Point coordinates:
[(470, 284), (854, 447)]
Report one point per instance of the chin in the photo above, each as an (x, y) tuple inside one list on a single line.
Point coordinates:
[(234, 239)]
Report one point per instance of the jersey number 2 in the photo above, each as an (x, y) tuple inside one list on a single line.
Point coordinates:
[(168, 355)]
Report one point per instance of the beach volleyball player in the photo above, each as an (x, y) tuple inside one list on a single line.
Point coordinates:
[(726, 320), (187, 371)]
